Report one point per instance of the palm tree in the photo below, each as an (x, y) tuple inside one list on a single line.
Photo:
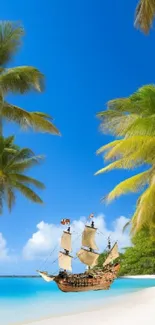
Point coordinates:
[(14, 163), (132, 121), (19, 80), (145, 13)]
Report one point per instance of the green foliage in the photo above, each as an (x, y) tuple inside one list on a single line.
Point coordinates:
[(10, 40), (139, 259), (14, 162), (103, 257), (132, 119), (19, 80)]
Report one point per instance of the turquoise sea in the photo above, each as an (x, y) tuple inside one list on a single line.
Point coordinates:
[(26, 299)]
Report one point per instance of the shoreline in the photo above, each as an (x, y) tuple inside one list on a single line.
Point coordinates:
[(147, 276), (136, 308)]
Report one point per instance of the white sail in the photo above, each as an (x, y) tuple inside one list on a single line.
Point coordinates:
[(88, 237), (45, 276), (87, 257), (65, 261), (112, 255), (66, 241)]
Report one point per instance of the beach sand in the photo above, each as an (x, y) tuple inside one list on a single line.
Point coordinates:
[(136, 308)]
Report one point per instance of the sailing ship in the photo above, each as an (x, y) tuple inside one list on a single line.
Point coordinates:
[(94, 278)]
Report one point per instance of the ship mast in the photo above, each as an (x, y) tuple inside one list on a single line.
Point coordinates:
[(64, 258), (87, 254)]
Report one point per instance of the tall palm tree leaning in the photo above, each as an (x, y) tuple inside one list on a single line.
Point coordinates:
[(132, 121), (144, 15), (14, 162), (19, 80)]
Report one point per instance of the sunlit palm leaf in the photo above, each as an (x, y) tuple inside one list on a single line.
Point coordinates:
[(132, 184), (135, 149), (108, 146), (145, 212), (123, 163), (37, 121), (40, 123)]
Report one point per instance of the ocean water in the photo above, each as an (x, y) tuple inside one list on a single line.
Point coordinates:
[(26, 299)]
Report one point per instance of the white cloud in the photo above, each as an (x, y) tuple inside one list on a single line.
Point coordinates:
[(4, 255), (47, 237)]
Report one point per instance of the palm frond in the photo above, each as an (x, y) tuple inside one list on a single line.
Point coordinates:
[(26, 120), (41, 123), (10, 40), (9, 141), (142, 126), (136, 113), (45, 115), (19, 156), (28, 193), (126, 225), (24, 165), (107, 146), (123, 163), (117, 125), (121, 105), (10, 197), (144, 15), (21, 80), (2, 191), (132, 184), (138, 148), (26, 179), (145, 211)]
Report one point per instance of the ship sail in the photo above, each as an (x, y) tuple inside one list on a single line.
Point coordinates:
[(88, 237), (87, 257), (66, 241), (65, 261), (112, 255)]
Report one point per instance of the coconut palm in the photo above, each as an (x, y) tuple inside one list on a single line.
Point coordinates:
[(19, 80), (129, 116), (145, 13), (14, 163), (133, 118)]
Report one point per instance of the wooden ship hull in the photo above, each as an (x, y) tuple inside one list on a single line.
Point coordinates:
[(97, 280)]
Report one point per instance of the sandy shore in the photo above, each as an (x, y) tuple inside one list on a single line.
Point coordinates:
[(134, 308), (138, 276)]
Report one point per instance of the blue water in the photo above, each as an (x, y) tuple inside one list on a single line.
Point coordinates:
[(24, 300)]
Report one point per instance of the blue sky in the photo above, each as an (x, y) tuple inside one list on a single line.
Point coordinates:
[(89, 52)]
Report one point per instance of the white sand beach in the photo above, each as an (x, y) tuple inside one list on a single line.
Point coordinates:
[(147, 276), (136, 308)]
